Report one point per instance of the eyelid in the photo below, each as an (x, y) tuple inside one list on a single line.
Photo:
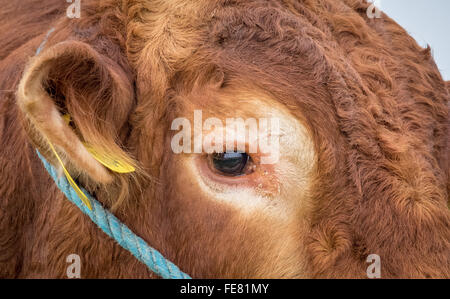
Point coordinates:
[(261, 153), (263, 178)]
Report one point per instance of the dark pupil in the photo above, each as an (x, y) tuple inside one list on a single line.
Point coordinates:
[(231, 164)]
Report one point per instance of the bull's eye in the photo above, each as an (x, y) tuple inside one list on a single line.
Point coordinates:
[(231, 164)]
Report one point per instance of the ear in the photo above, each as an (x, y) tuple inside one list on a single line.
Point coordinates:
[(73, 78)]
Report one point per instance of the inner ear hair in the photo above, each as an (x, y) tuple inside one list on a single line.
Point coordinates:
[(72, 77)]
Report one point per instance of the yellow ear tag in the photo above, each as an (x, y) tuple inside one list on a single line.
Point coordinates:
[(72, 183), (67, 118), (105, 159), (109, 161)]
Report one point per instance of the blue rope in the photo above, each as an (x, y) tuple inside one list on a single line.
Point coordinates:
[(117, 230), (41, 46)]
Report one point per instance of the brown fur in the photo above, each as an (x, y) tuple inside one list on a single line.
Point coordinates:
[(372, 99)]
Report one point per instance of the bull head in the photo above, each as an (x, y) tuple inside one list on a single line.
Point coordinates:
[(363, 137)]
